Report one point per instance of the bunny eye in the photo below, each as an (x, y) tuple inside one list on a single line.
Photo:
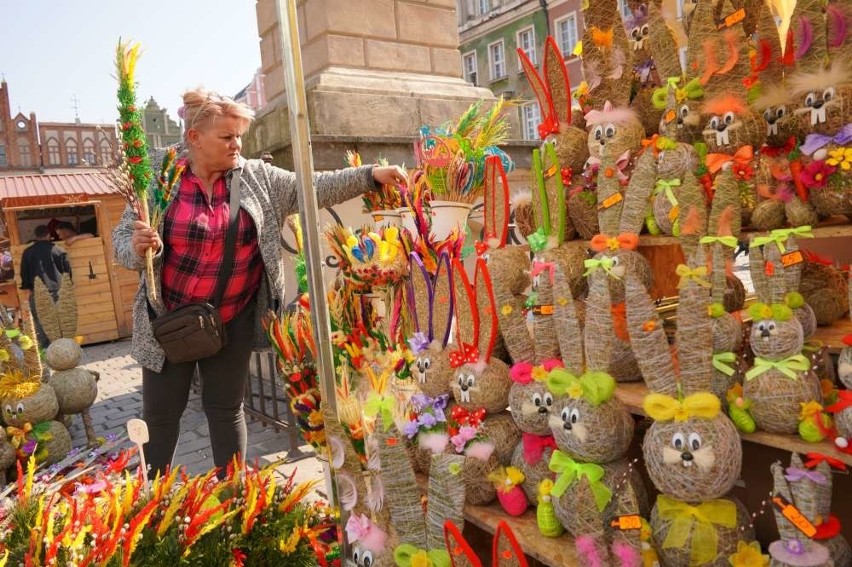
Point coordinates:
[(8, 409), (694, 441), (714, 122), (574, 415), (598, 132), (566, 415), (767, 114), (367, 559), (780, 111), (427, 363), (616, 261), (356, 556), (728, 118), (678, 441), (810, 99), (828, 94), (470, 380), (548, 399), (634, 33), (684, 111), (646, 30), (20, 408), (610, 130), (536, 399), (460, 380)]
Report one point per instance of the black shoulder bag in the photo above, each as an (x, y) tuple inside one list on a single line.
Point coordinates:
[(195, 331)]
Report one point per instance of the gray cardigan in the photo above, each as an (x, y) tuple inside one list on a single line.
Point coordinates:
[(268, 194)]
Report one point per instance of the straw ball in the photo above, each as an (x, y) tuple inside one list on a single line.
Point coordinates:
[(726, 545), (57, 443), (479, 491), (570, 258), (510, 266), (434, 379), (577, 510), (649, 115), (800, 213), (735, 294), (727, 333), (746, 130), (676, 162), (776, 340), (63, 354), (827, 201), (843, 422), (582, 208), (501, 430), (421, 459), (768, 215), (662, 208), (777, 399), (599, 434), (615, 139), (826, 290), (571, 148), (837, 114), (694, 460), (534, 473), (35, 408), (531, 406), (76, 389), (524, 215), (487, 387)]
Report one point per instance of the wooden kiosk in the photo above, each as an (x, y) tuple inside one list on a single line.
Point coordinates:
[(88, 201)]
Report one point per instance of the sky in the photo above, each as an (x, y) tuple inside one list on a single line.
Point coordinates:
[(52, 51)]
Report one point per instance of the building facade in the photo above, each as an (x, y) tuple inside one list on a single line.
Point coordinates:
[(253, 94), (76, 144), (19, 148), (160, 130)]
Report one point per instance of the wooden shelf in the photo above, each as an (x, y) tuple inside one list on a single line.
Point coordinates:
[(631, 395), (832, 336)]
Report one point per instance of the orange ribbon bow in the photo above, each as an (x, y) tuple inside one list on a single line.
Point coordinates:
[(743, 156)]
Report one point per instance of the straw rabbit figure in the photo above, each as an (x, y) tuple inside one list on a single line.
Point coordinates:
[(781, 380), (692, 451), (842, 409), (506, 551), (593, 430), (607, 56)]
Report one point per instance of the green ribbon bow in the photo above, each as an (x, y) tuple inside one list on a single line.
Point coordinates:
[(595, 387), (570, 471), (383, 405), (723, 362), (729, 241), (407, 555), (800, 231), (537, 240), (664, 143), (789, 367), (605, 263), (688, 274), (667, 186)]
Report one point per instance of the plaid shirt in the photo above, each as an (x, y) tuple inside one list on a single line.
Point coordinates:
[(195, 231)]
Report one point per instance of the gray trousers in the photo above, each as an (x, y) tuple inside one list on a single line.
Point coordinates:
[(223, 379)]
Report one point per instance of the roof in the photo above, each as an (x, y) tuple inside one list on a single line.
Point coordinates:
[(34, 189)]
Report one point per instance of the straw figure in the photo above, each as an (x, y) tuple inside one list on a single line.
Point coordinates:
[(593, 430), (810, 536), (505, 549), (692, 451), (842, 409), (646, 75), (7, 456), (76, 388), (607, 56), (431, 299), (781, 380), (825, 290)]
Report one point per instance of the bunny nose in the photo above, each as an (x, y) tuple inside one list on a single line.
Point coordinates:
[(542, 410), (567, 426), (464, 388), (818, 104), (765, 334), (687, 456), (721, 127)]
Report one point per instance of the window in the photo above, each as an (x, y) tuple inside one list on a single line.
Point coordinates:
[(53, 157), (682, 56), (106, 154), (89, 152), (624, 9), (470, 67), (3, 155), (530, 119), (484, 7), (497, 60), (565, 30), (526, 42), (71, 152), (24, 153)]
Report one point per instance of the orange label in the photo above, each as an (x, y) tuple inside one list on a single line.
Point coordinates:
[(551, 171), (792, 258), (794, 516), (670, 116), (613, 199), (626, 523), (733, 18), (543, 310), (673, 213)]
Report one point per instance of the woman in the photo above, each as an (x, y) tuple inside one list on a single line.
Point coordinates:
[(193, 232)]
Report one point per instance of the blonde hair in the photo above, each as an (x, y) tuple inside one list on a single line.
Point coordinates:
[(202, 107)]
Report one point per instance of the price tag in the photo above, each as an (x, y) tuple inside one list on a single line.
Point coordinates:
[(794, 516), (792, 258), (670, 116), (673, 213), (613, 199), (543, 310), (137, 431), (551, 171), (733, 18), (627, 523)]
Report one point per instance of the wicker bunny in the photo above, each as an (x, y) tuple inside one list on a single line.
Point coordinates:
[(781, 379), (431, 298), (810, 535), (506, 551), (842, 409), (692, 451), (607, 56)]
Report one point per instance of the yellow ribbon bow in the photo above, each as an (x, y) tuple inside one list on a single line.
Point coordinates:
[(698, 521), (789, 367), (697, 275), (729, 241), (570, 471), (667, 186), (605, 263), (661, 407), (377, 405), (722, 362), (407, 555)]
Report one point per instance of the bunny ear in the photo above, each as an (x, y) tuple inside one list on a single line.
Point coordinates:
[(648, 339), (786, 529), (349, 469), (445, 497), (792, 271), (769, 66), (555, 193), (421, 296), (496, 203), (810, 37), (726, 195), (695, 329), (542, 94), (610, 198), (692, 202), (540, 201), (720, 273), (486, 306), (638, 193), (757, 267), (467, 313), (461, 554), (662, 44), (599, 329), (544, 328), (558, 83), (774, 270), (565, 316), (701, 29), (443, 301), (508, 268), (506, 551)]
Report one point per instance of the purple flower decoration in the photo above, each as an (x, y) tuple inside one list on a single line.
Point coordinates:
[(465, 434), (29, 447), (794, 546), (181, 112), (441, 402), (427, 420), (418, 343), (410, 429), (420, 402)]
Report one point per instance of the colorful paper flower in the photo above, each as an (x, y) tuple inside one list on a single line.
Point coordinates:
[(841, 157), (815, 175)]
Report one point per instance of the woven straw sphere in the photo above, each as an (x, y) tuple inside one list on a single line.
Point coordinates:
[(726, 544), (800, 213), (76, 389), (838, 113), (421, 458), (531, 406), (747, 130), (501, 430), (838, 548), (525, 219), (727, 333), (678, 469), (674, 163), (570, 259), (533, 473), (825, 290), (615, 139), (7, 455), (688, 124), (734, 294), (58, 444), (623, 365), (383, 559), (649, 115), (487, 389), (777, 399), (510, 266), (828, 201), (39, 407), (776, 340), (478, 489), (843, 422), (768, 215), (583, 210), (434, 378), (576, 507), (808, 320), (571, 148), (599, 434), (63, 354)]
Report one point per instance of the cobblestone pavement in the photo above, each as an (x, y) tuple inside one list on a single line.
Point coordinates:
[(120, 399)]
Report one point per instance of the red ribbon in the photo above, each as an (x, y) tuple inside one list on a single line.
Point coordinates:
[(481, 248), (461, 416), (816, 458), (828, 529), (775, 151), (548, 126), (743, 156), (534, 446), (844, 401), (468, 354)]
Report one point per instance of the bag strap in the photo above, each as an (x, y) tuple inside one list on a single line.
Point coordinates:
[(230, 240)]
